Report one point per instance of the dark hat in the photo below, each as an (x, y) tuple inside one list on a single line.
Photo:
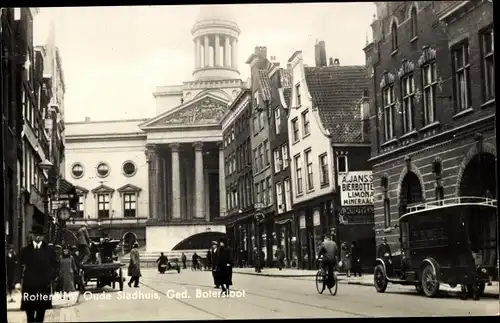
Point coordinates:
[(37, 229), (135, 245)]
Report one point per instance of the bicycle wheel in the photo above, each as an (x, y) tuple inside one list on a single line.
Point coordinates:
[(335, 287), (319, 281)]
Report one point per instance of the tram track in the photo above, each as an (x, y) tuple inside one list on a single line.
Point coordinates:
[(335, 310)]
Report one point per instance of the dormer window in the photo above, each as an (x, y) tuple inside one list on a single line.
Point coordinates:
[(256, 100), (394, 34)]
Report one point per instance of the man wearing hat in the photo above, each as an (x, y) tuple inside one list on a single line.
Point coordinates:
[(224, 266), (39, 268), (84, 243), (213, 261), (134, 267)]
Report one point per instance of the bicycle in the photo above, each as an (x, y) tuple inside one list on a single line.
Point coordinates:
[(321, 276)]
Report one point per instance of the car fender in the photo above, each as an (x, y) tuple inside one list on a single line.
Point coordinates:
[(434, 264), (380, 261)]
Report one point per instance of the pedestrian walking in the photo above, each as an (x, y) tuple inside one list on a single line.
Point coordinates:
[(75, 253), (345, 257), (183, 260), (356, 259), (224, 266), (67, 270), (213, 257), (257, 260), (39, 267), (280, 258), (12, 264), (194, 261), (134, 267), (84, 243)]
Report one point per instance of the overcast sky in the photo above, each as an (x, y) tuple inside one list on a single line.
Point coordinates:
[(114, 57)]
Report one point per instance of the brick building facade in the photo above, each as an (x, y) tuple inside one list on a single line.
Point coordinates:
[(432, 105)]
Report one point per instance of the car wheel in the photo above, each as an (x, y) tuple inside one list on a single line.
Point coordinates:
[(380, 279), (429, 281)]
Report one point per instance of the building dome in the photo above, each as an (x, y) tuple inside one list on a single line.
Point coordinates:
[(215, 12), (215, 34)]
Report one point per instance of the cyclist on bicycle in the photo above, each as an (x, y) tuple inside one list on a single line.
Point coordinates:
[(328, 249)]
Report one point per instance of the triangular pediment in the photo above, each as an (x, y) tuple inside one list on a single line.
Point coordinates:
[(206, 110), (129, 188), (103, 189), (81, 190)]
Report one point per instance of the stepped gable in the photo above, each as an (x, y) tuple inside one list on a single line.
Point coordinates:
[(335, 92), (286, 84)]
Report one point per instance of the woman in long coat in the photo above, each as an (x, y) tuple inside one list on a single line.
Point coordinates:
[(134, 267), (224, 266), (345, 254), (39, 268), (67, 270)]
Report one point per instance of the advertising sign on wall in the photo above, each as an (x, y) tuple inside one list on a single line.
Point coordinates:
[(356, 188)]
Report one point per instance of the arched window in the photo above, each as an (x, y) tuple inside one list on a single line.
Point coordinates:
[(394, 32), (414, 25)]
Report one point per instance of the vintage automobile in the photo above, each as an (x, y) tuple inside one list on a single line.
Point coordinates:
[(103, 266), (451, 241)]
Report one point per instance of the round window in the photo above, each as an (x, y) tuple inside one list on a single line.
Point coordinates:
[(129, 168), (77, 170), (102, 170)]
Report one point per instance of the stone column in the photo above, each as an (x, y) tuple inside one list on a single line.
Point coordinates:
[(199, 180), (217, 52), (159, 188), (197, 52), (222, 182), (176, 182), (234, 53), (206, 48), (227, 52), (152, 152)]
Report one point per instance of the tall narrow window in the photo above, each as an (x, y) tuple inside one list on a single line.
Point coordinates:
[(310, 177), (269, 190), (261, 119), (261, 157), (297, 95), (103, 206), (277, 119), (257, 193), (277, 161), (129, 205), (288, 195), (414, 23), (298, 174), (488, 50), (81, 207), (429, 83), (256, 160), (263, 192), (460, 55), (394, 33), (284, 153), (279, 197), (305, 123), (323, 168), (342, 164), (408, 111), (387, 212), (266, 153), (295, 130), (389, 104)]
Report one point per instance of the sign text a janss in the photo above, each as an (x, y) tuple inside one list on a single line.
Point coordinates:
[(356, 188)]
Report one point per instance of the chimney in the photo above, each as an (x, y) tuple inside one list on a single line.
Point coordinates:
[(320, 54), (261, 52), (336, 62), (87, 119), (330, 63)]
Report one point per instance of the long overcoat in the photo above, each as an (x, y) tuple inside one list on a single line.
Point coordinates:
[(345, 256), (39, 269), (134, 267), (224, 266), (67, 270), (214, 262)]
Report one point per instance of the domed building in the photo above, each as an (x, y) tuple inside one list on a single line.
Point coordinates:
[(170, 168)]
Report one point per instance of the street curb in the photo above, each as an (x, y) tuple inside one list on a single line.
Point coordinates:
[(53, 307), (276, 275)]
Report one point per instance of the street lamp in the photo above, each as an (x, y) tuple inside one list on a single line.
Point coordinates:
[(46, 165), (259, 217)]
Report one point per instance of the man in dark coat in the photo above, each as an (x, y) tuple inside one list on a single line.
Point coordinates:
[(280, 258), (12, 264), (183, 260), (134, 267), (84, 243), (162, 263), (356, 259), (224, 266), (213, 258), (39, 268)]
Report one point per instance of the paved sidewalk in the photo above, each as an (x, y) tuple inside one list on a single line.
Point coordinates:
[(58, 301), (365, 280)]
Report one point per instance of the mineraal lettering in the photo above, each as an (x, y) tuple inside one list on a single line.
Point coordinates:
[(358, 189)]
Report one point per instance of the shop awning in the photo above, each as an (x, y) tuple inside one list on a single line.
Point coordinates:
[(66, 189)]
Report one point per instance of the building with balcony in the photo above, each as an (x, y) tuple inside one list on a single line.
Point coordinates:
[(324, 127), (432, 105), (238, 179)]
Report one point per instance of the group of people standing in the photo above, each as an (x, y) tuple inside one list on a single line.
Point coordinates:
[(350, 255), (221, 263)]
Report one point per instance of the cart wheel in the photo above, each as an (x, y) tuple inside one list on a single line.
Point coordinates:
[(430, 284), (121, 280), (379, 279), (419, 289), (319, 281)]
